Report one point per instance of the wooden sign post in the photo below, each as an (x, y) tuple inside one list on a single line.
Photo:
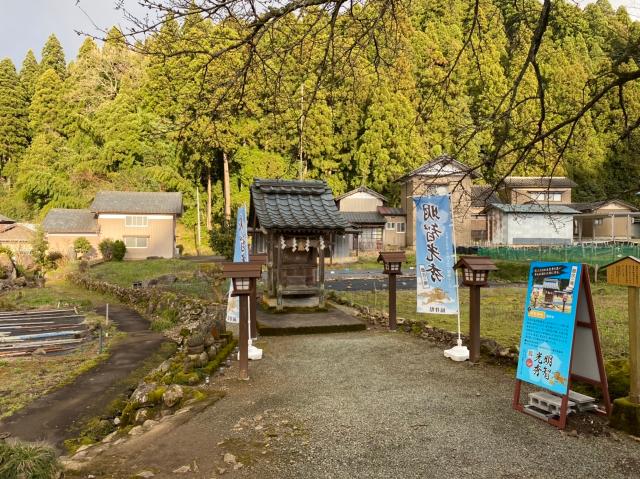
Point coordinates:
[(560, 343), (626, 411)]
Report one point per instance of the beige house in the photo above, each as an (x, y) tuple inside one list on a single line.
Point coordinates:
[(519, 190), (145, 221), (16, 236), (376, 227), (606, 220), (440, 176)]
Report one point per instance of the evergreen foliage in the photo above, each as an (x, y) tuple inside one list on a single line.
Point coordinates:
[(117, 119)]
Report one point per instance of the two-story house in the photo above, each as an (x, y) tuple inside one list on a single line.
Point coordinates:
[(376, 225), (145, 221)]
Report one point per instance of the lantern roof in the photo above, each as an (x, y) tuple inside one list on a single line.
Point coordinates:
[(392, 257), (241, 270), (476, 263)]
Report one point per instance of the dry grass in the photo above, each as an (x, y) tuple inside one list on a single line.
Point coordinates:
[(502, 313)]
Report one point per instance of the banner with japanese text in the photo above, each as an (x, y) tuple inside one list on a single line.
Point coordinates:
[(549, 322), (437, 291), (240, 255)]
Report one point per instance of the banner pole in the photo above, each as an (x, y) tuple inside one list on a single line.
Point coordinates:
[(455, 260)]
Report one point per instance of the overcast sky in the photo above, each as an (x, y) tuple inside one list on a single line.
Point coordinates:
[(26, 24)]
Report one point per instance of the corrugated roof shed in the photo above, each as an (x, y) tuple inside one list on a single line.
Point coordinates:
[(532, 208), (594, 205), (62, 220), (137, 202), (538, 182), (363, 217), (295, 205)]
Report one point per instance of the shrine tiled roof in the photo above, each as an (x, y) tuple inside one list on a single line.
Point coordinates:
[(295, 205)]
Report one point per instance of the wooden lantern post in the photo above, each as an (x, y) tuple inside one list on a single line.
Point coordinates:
[(392, 261), (259, 259), (475, 274), (243, 276), (626, 272)]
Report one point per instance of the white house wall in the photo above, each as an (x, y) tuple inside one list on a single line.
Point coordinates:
[(538, 229)]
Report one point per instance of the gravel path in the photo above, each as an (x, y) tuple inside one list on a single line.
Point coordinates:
[(368, 405)]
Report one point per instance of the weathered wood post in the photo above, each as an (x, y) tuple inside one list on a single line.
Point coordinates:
[(392, 267), (475, 274), (626, 411), (243, 276)]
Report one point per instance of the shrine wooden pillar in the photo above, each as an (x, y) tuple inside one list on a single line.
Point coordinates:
[(320, 274), (278, 277)]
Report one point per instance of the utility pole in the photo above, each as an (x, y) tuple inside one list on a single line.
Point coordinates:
[(198, 237), (301, 127)]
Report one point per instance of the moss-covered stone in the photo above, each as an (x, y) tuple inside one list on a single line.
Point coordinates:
[(626, 416), (618, 377)]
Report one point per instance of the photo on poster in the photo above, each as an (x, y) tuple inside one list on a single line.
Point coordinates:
[(549, 323)]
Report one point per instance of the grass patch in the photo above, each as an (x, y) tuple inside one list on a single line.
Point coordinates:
[(503, 310), (23, 380), (124, 273), (24, 460)]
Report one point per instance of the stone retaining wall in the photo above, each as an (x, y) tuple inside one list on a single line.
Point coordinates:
[(176, 314), (488, 347)]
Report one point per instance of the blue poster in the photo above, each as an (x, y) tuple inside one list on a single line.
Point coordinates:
[(437, 289), (549, 322), (240, 255)]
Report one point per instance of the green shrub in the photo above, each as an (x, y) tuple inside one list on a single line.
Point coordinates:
[(81, 246), (119, 250), (25, 460), (106, 249)]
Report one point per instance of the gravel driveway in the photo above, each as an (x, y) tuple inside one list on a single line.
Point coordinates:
[(368, 405)]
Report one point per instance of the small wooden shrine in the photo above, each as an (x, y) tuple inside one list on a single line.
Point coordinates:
[(295, 223)]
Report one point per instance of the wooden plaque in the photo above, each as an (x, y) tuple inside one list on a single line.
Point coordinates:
[(624, 272)]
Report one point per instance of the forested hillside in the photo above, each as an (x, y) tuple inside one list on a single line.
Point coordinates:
[(139, 117)]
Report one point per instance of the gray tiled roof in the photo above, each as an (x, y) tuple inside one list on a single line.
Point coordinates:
[(482, 196), (538, 182), (440, 163), (533, 208), (137, 202), (5, 219), (61, 220), (295, 205), (390, 211), (363, 217)]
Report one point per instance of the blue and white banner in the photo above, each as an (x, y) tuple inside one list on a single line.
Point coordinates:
[(435, 255), (240, 255)]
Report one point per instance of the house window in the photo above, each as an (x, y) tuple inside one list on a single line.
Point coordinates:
[(597, 222), (545, 195), (136, 241), (135, 221), (401, 227), (390, 226)]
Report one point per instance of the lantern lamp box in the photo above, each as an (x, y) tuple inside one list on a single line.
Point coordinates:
[(559, 341)]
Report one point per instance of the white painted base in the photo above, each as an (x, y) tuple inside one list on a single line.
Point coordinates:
[(254, 353), (457, 353)]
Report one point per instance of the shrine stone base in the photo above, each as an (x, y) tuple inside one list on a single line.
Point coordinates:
[(626, 416)]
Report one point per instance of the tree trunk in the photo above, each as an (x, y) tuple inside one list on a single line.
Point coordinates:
[(226, 187), (209, 199)]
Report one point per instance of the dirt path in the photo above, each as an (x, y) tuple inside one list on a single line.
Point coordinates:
[(367, 404), (55, 416)]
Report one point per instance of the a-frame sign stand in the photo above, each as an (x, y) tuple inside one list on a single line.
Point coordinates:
[(586, 363)]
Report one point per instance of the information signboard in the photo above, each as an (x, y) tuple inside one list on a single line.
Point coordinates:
[(549, 322), (560, 341)]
